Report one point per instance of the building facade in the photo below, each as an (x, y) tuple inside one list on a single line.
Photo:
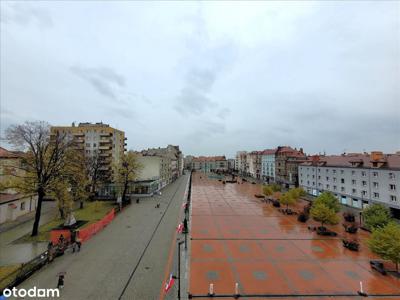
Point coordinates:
[(12, 203), (355, 179), (175, 156), (287, 161), (241, 162), (268, 165), (97, 139), (210, 164), (231, 164), (254, 162)]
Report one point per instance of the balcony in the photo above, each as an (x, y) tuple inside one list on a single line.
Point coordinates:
[(79, 140), (78, 134), (105, 161), (105, 141), (102, 147), (106, 134), (105, 154), (105, 168)]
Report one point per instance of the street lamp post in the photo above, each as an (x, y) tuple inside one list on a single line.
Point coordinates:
[(179, 269)]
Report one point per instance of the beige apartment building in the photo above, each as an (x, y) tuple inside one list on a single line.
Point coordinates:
[(97, 139)]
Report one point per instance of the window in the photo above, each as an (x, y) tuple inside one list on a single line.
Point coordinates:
[(353, 182), (94, 144), (342, 189), (22, 207), (326, 170), (308, 175), (335, 187), (301, 181), (376, 185), (354, 191), (87, 144), (319, 177), (363, 173), (364, 193), (313, 183), (319, 184), (364, 183), (375, 174), (319, 170), (313, 176), (376, 195), (334, 179), (353, 173), (393, 198), (342, 180), (334, 171), (327, 186), (308, 183), (392, 176), (327, 178), (341, 171), (392, 187)]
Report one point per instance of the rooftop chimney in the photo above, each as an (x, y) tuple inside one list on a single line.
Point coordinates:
[(376, 155)]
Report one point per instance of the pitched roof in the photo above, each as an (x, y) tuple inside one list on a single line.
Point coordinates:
[(4, 153), (365, 160), (269, 151)]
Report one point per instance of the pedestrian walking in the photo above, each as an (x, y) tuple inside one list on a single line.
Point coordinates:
[(60, 283)]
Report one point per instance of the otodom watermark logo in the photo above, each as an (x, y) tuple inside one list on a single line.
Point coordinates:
[(31, 293)]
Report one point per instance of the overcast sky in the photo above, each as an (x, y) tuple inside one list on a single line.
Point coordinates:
[(212, 77)]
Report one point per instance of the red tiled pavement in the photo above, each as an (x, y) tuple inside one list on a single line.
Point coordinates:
[(238, 238)]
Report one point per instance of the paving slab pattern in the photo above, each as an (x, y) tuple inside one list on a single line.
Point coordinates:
[(127, 259), (237, 238)]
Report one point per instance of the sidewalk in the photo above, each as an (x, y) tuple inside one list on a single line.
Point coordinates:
[(19, 253), (10, 233)]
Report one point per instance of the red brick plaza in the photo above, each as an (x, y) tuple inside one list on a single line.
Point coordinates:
[(236, 238)]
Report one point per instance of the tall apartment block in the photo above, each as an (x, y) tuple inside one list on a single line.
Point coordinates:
[(97, 139)]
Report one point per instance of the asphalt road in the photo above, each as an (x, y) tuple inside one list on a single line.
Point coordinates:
[(127, 259)]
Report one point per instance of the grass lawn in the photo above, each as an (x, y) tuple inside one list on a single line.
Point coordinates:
[(92, 212), (5, 272)]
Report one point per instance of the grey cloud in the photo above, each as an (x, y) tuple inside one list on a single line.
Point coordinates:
[(192, 101), (104, 80), (201, 79), (223, 113), (208, 59), (207, 129), (24, 14), (126, 112)]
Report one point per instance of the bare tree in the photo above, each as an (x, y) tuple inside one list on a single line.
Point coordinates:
[(127, 171), (95, 176), (43, 163)]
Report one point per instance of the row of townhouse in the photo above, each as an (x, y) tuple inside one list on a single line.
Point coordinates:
[(160, 167), (210, 164), (278, 165), (356, 180)]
